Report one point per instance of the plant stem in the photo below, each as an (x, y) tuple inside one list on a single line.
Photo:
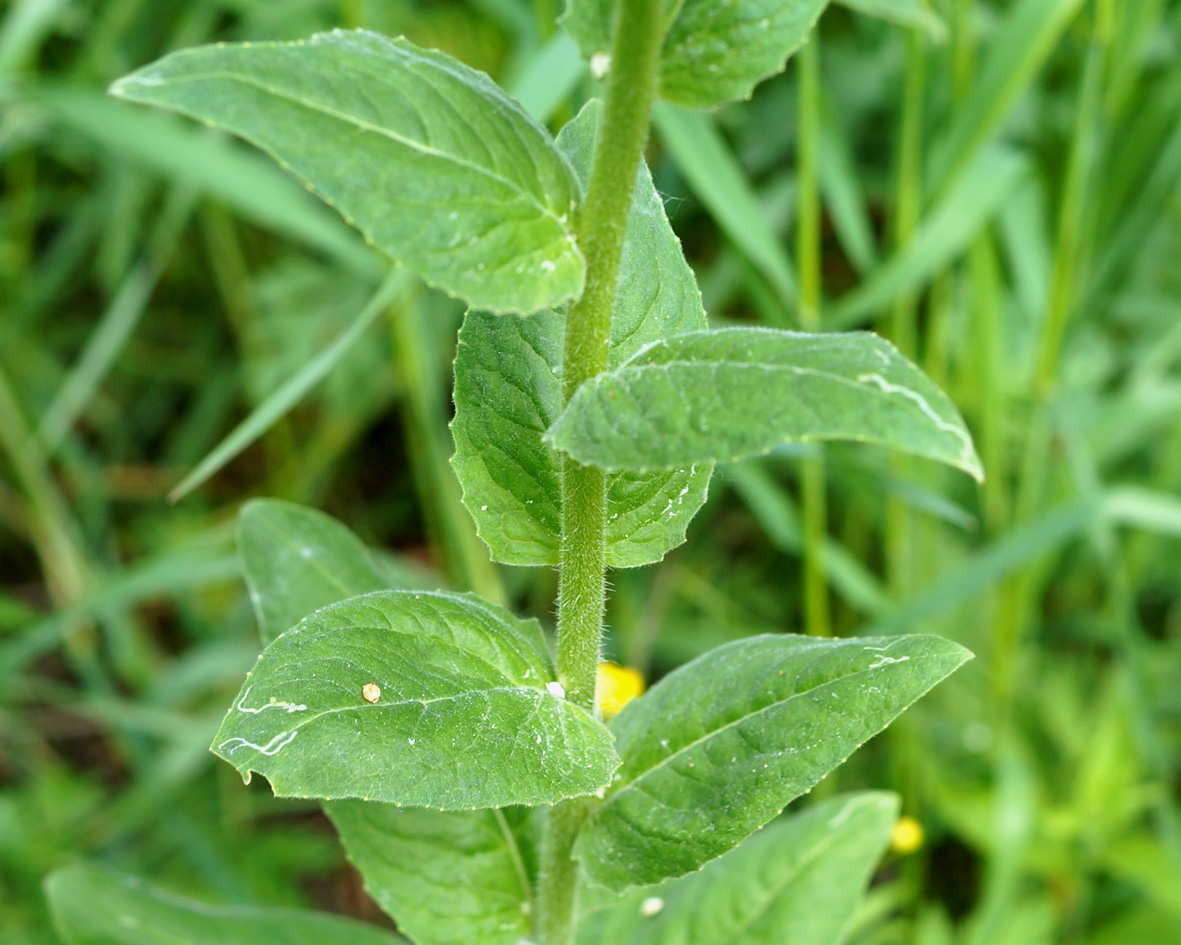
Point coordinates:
[(816, 614), (601, 226), (631, 89), (557, 882)]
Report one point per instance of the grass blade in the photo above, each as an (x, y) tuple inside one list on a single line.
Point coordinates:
[(1018, 50), (718, 181), (946, 231), (248, 182), (263, 417)]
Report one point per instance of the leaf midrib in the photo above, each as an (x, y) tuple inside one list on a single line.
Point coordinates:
[(369, 126), (708, 735)]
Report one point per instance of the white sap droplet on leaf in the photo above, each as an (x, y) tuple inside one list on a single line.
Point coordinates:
[(548, 266), (556, 689), (600, 64), (651, 906)]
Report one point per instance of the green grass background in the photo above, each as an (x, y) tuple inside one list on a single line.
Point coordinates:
[(994, 184)]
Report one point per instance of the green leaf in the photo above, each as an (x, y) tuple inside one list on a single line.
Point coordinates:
[(728, 394), (797, 881), (428, 158), (469, 712), (713, 52), (448, 879), (718, 747), (299, 560), (95, 906), (508, 392)]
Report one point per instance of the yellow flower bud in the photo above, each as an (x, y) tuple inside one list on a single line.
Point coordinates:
[(907, 836)]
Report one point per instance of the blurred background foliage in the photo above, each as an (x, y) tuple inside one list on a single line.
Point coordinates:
[(1000, 193)]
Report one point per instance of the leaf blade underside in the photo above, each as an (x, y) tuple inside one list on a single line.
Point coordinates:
[(728, 394)]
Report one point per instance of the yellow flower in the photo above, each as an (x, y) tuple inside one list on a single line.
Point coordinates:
[(617, 686), (907, 836)]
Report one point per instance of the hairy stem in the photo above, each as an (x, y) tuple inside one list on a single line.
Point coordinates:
[(601, 227), (631, 89)]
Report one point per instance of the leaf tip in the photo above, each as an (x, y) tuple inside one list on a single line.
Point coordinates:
[(126, 86)]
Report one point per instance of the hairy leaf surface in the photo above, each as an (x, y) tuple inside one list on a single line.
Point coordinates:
[(728, 394), (423, 699), (718, 747), (298, 560), (447, 878), (508, 391), (796, 882), (97, 906), (428, 158), (713, 52)]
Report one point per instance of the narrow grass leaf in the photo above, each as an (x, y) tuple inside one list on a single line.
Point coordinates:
[(106, 341), (93, 905), (718, 747), (844, 195), (798, 880), (915, 14), (197, 564), (1141, 212), (413, 698), (1025, 234), (548, 78), (1145, 509), (719, 182), (447, 879), (731, 393), (990, 564), (944, 233), (777, 515), (242, 179), (508, 392), (298, 560), (425, 156), (25, 26), (266, 414), (1018, 49)]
